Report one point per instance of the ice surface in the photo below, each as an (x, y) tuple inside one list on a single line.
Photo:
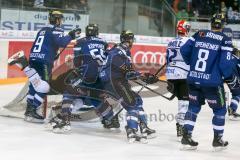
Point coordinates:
[(89, 141)]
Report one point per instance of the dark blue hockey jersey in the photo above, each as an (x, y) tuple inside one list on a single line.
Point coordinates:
[(118, 63), (209, 55), (91, 52), (49, 39)]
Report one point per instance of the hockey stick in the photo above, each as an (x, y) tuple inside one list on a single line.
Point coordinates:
[(168, 98), (57, 55), (145, 86), (159, 70)]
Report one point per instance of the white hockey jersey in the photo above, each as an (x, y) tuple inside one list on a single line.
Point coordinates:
[(176, 67)]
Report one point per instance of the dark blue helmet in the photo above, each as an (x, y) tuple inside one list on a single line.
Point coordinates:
[(54, 16), (217, 21), (126, 36), (91, 30)]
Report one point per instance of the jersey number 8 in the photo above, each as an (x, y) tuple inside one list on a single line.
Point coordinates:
[(201, 63)]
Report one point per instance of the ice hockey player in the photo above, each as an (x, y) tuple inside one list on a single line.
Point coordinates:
[(42, 55), (89, 56), (176, 72), (116, 73), (234, 89), (208, 52)]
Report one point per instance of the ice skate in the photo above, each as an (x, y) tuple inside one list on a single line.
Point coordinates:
[(233, 115), (187, 142), (31, 115), (132, 136), (112, 123), (179, 129), (18, 59), (53, 122), (219, 144), (146, 131), (62, 126)]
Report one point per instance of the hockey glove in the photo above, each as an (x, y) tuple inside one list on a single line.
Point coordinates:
[(133, 75), (236, 52), (149, 78), (234, 82), (75, 33)]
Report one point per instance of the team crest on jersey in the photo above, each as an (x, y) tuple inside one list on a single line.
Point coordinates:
[(201, 34)]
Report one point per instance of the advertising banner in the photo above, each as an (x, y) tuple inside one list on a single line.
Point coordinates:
[(146, 58), (12, 19)]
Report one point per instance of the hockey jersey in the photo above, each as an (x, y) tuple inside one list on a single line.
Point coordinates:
[(118, 63), (209, 55), (176, 67), (49, 39), (91, 52)]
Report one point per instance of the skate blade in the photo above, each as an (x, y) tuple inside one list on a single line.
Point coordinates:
[(65, 130), (113, 130), (152, 136), (143, 140), (179, 138), (131, 140), (12, 58), (137, 140), (188, 148), (233, 118), (33, 120), (49, 126), (218, 149)]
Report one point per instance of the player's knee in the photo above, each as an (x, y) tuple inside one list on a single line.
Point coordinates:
[(219, 111), (132, 112), (194, 108), (44, 87)]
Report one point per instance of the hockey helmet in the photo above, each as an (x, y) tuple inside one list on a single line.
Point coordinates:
[(91, 30), (54, 16), (127, 36), (217, 21), (183, 27)]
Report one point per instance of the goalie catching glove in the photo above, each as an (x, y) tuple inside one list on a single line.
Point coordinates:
[(149, 78)]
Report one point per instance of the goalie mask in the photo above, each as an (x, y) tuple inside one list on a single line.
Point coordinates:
[(183, 27), (55, 17), (91, 30)]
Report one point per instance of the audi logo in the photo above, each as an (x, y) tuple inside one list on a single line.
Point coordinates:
[(148, 59)]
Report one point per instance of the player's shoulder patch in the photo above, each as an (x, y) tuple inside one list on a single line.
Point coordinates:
[(201, 33), (58, 29)]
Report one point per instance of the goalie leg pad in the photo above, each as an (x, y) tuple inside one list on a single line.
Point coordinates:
[(43, 87)]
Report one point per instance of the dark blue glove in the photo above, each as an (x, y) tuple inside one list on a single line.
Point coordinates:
[(149, 78), (233, 82)]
